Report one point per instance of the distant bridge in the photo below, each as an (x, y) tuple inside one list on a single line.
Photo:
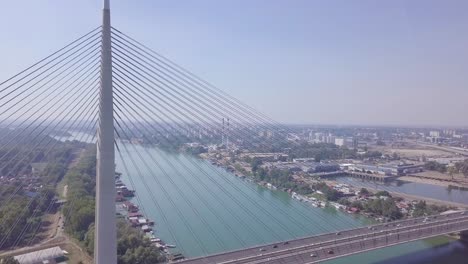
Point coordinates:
[(328, 246)]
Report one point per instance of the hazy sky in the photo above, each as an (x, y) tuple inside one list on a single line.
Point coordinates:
[(332, 62)]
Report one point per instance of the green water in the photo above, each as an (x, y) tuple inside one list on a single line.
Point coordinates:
[(210, 211)]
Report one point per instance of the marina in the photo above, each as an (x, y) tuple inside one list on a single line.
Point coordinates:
[(131, 212)]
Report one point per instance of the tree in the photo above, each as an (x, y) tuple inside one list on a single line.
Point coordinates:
[(451, 170), (255, 164), (390, 210), (329, 193), (423, 158), (385, 208), (9, 260), (357, 204), (262, 173), (462, 167), (382, 193), (421, 209), (380, 143), (13, 218), (139, 255), (133, 247), (89, 239), (435, 166), (332, 194), (372, 154), (364, 191), (344, 201)]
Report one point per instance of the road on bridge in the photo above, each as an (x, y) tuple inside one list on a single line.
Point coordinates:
[(328, 246)]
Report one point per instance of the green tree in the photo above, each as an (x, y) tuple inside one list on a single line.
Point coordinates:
[(89, 239), (139, 255), (451, 170), (357, 204), (133, 247), (262, 173), (344, 201), (382, 193), (390, 210), (364, 191), (386, 208), (462, 167), (9, 260), (255, 164), (435, 166)]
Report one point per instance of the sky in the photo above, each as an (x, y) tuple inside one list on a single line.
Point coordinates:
[(298, 61)]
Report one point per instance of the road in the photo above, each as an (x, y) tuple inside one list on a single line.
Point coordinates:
[(459, 151), (347, 242)]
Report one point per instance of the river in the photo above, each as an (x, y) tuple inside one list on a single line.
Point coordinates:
[(200, 213), (203, 210), (185, 176), (420, 189)]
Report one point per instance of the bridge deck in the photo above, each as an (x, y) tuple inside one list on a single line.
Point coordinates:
[(333, 245)]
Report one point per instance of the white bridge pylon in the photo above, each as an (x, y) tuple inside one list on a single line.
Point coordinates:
[(105, 251)]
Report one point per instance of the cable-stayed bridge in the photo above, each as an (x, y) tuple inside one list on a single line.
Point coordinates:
[(120, 94), (334, 245)]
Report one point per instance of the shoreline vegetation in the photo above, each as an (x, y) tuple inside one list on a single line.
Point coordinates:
[(28, 190), (374, 204), (132, 245), (323, 192)]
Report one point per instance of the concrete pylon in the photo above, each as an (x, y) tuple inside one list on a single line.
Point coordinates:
[(105, 240)]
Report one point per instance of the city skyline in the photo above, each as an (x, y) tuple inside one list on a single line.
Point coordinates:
[(395, 63)]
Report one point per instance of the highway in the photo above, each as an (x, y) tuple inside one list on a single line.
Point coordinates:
[(459, 151), (327, 246)]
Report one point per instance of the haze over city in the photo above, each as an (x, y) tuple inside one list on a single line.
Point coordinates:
[(337, 62), (335, 132)]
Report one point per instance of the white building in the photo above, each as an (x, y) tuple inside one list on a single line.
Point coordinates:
[(340, 142), (329, 139), (434, 133), (41, 256)]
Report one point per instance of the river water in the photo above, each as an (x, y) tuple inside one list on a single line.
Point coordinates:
[(420, 189), (205, 210), (255, 214)]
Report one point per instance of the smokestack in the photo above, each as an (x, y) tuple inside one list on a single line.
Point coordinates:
[(227, 134), (222, 133)]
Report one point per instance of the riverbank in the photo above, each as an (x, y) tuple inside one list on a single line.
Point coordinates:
[(139, 221), (320, 197), (409, 196), (236, 213), (253, 229)]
